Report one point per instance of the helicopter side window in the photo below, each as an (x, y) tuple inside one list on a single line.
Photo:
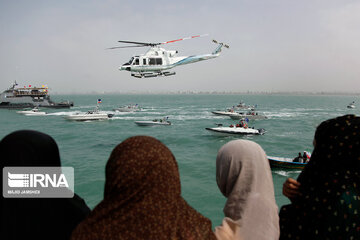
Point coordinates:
[(158, 61), (152, 61), (144, 61)]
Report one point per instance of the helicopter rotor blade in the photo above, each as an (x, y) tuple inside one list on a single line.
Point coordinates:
[(140, 43), (126, 47), (186, 38), (144, 44)]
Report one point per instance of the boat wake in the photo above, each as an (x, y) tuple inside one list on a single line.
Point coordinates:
[(63, 113)]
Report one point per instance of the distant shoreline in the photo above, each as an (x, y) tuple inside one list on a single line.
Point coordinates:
[(212, 93)]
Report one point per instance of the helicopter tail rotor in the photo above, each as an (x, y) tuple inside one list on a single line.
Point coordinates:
[(218, 49)]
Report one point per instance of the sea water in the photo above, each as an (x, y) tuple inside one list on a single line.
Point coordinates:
[(86, 146)]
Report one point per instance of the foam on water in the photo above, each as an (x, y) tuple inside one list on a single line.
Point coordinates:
[(286, 173), (63, 113)]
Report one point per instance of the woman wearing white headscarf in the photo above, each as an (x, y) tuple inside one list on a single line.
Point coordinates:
[(244, 177)]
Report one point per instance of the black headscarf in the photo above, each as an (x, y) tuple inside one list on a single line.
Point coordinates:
[(329, 204), (37, 218)]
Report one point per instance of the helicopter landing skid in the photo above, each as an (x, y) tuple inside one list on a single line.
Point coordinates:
[(151, 74)]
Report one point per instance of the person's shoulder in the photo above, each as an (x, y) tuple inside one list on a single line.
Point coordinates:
[(228, 230)]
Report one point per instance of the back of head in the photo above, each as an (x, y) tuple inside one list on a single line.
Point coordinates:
[(330, 181), (336, 139), (138, 163), (337, 150), (45, 218), (29, 148), (243, 175), (142, 198)]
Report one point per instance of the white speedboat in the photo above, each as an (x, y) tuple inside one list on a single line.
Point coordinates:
[(351, 105), (233, 130), (33, 112), (155, 122), (228, 112), (252, 115), (91, 115), (128, 108)]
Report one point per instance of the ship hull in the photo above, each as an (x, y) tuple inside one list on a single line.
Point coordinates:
[(31, 105)]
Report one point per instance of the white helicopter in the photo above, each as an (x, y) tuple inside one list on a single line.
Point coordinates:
[(157, 61)]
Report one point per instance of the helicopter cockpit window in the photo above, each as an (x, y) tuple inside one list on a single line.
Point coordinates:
[(131, 60), (136, 62)]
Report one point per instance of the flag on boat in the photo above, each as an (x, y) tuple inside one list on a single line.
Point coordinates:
[(99, 100), (246, 119)]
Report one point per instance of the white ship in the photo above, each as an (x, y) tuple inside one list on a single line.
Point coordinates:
[(29, 97)]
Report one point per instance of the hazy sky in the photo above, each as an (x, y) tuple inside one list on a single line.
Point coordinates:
[(275, 45)]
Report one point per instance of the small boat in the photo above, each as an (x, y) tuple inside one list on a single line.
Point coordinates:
[(243, 106), (351, 105), (285, 163), (251, 115), (228, 112), (91, 115), (235, 130), (33, 112), (128, 108), (155, 122)]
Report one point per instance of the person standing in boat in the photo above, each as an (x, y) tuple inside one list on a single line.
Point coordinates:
[(304, 157), (299, 158)]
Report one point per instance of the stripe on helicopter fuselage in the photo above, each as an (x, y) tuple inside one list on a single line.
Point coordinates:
[(187, 60)]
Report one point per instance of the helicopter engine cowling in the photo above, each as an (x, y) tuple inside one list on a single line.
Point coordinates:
[(172, 53)]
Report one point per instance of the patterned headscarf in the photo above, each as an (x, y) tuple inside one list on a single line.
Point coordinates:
[(142, 198), (244, 177), (329, 205)]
